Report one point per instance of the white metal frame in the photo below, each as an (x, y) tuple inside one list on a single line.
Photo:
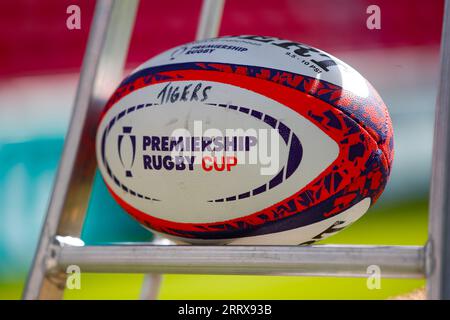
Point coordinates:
[(104, 59)]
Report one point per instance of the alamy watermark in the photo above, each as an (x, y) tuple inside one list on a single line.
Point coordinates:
[(73, 281), (373, 22), (73, 21), (215, 149)]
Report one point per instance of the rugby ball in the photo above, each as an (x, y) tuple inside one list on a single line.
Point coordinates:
[(245, 140)]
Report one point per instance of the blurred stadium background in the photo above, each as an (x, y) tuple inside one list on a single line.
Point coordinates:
[(40, 61)]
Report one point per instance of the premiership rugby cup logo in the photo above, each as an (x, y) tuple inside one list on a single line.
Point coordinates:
[(127, 149)]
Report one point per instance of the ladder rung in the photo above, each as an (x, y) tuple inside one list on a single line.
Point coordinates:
[(320, 260)]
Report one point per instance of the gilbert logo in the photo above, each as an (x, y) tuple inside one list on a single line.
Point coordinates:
[(124, 147)]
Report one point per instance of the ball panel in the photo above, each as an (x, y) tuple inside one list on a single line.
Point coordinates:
[(212, 196), (304, 235), (268, 52), (369, 112), (357, 148), (311, 233), (360, 100)]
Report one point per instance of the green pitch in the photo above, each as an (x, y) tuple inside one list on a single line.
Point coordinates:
[(402, 224)]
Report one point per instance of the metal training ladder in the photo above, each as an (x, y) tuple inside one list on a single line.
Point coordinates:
[(101, 72)]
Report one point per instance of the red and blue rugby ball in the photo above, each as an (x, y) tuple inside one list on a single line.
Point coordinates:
[(245, 140)]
